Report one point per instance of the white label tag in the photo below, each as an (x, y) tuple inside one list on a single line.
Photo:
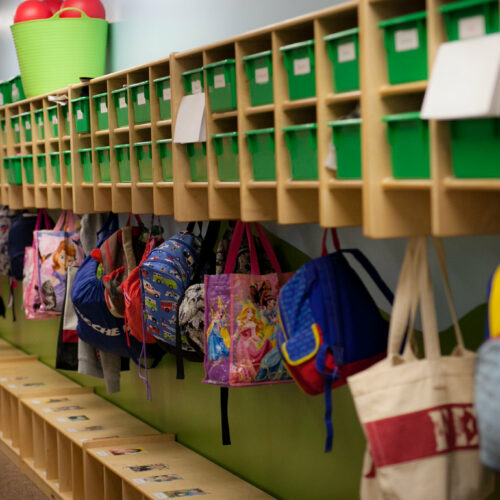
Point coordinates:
[(11, 386), (196, 87), (471, 27), (104, 108), (139, 481), (160, 495), (16, 127), (167, 94), (55, 120), (35, 402), (141, 99), (15, 92), (101, 453), (61, 419), (47, 410), (122, 102), (79, 114), (406, 40), (72, 429), (346, 52), (219, 81), (261, 75), (27, 125), (40, 122), (302, 66)]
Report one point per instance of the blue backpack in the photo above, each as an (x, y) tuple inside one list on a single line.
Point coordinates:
[(330, 326)]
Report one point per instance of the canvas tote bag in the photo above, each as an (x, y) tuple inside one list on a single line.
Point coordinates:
[(418, 414)]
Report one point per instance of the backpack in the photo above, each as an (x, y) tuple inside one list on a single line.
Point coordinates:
[(330, 326), (6, 218)]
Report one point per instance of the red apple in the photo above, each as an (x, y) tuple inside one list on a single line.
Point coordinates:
[(93, 8), (53, 5), (31, 10)]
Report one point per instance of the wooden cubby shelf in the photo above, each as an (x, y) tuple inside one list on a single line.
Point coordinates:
[(385, 207)]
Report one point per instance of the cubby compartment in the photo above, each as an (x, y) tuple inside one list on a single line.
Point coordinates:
[(139, 94), (103, 160), (86, 162), (259, 72), (15, 125), (81, 114), (193, 81), (197, 153), (346, 137), (226, 150), (101, 109), (122, 155), (165, 154), (28, 168), (144, 155), (55, 164), (42, 166), (67, 165), (299, 60), (221, 82), (262, 147), (53, 117), (164, 95), (302, 144), (39, 124), (25, 119), (120, 101)]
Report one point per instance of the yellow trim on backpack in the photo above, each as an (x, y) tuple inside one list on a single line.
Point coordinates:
[(494, 305), (307, 357)]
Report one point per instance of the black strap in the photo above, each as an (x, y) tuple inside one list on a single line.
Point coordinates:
[(13, 295), (224, 419), (178, 345)]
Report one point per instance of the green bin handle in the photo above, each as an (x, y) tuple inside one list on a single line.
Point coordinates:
[(234, 145), (218, 146), (313, 139), (290, 141)]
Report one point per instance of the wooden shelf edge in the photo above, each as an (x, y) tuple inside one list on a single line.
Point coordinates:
[(300, 103), (163, 123), (354, 95), (291, 184), (227, 185), (403, 88), (345, 184), (225, 115), (262, 184), (255, 110), (142, 126), (106, 185), (196, 185), (123, 185), (453, 183), (144, 184), (164, 184), (408, 184)]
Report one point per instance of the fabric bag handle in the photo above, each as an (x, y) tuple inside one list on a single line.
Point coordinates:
[(66, 220), (42, 213), (267, 248), (234, 246), (137, 219), (109, 227), (335, 239)]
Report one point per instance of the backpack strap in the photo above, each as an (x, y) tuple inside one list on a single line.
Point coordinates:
[(109, 227), (335, 239), (224, 418)]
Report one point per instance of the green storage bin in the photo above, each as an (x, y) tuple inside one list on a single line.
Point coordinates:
[(3, 123), (259, 70), (104, 163), (193, 81), (262, 150), (120, 101), (65, 113), (343, 51), (221, 81), (300, 64), (15, 173), (139, 93), (26, 123), (302, 144), (405, 41), (5, 95), (55, 163), (81, 112), (67, 163), (144, 153), (17, 89), (42, 165), (164, 97), (165, 153), (475, 148), (122, 153), (28, 168), (226, 150), (197, 152), (470, 18), (15, 124), (408, 137), (346, 137), (101, 108), (40, 124), (53, 116), (86, 161)]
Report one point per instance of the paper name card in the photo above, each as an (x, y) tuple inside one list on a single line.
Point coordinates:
[(465, 80), (190, 125)]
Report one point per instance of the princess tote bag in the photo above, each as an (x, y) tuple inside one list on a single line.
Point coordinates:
[(418, 413)]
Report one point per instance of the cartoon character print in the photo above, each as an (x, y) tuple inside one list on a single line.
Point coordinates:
[(218, 339)]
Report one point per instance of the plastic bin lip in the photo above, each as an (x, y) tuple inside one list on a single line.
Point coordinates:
[(402, 117), (15, 117), (225, 134), (218, 63), (140, 144), (298, 45), (21, 115), (78, 99), (25, 157), (84, 150), (164, 141), (341, 34), (40, 156), (54, 154), (192, 71), (258, 55), (39, 111), (463, 5), (345, 123), (269, 130), (122, 146), (162, 79), (416, 16), (137, 85), (51, 108), (67, 153), (102, 148), (118, 91), (303, 126), (99, 96)]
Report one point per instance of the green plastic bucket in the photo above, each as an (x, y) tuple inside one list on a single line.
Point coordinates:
[(221, 81), (15, 125), (65, 113), (259, 70), (165, 153), (120, 101), (302, 144), (197, 152), (346, 136), (226, 150), (86, 161), (475, 148), (164, 95), (67, 163), (343, 51), (262, 150), (3, 123), (15, 172), (54, 53), (405, 41), (144, 153), (470, 18), (26, 123), (53, 116), (55, 163), (28, 168), (122, 153), (81, 112), (41, 161), (104, 163), (193, 81), (5, 95), (16, 89), (101, 108), (139, 93), (40, 124), (408, 136), (299, 63)]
